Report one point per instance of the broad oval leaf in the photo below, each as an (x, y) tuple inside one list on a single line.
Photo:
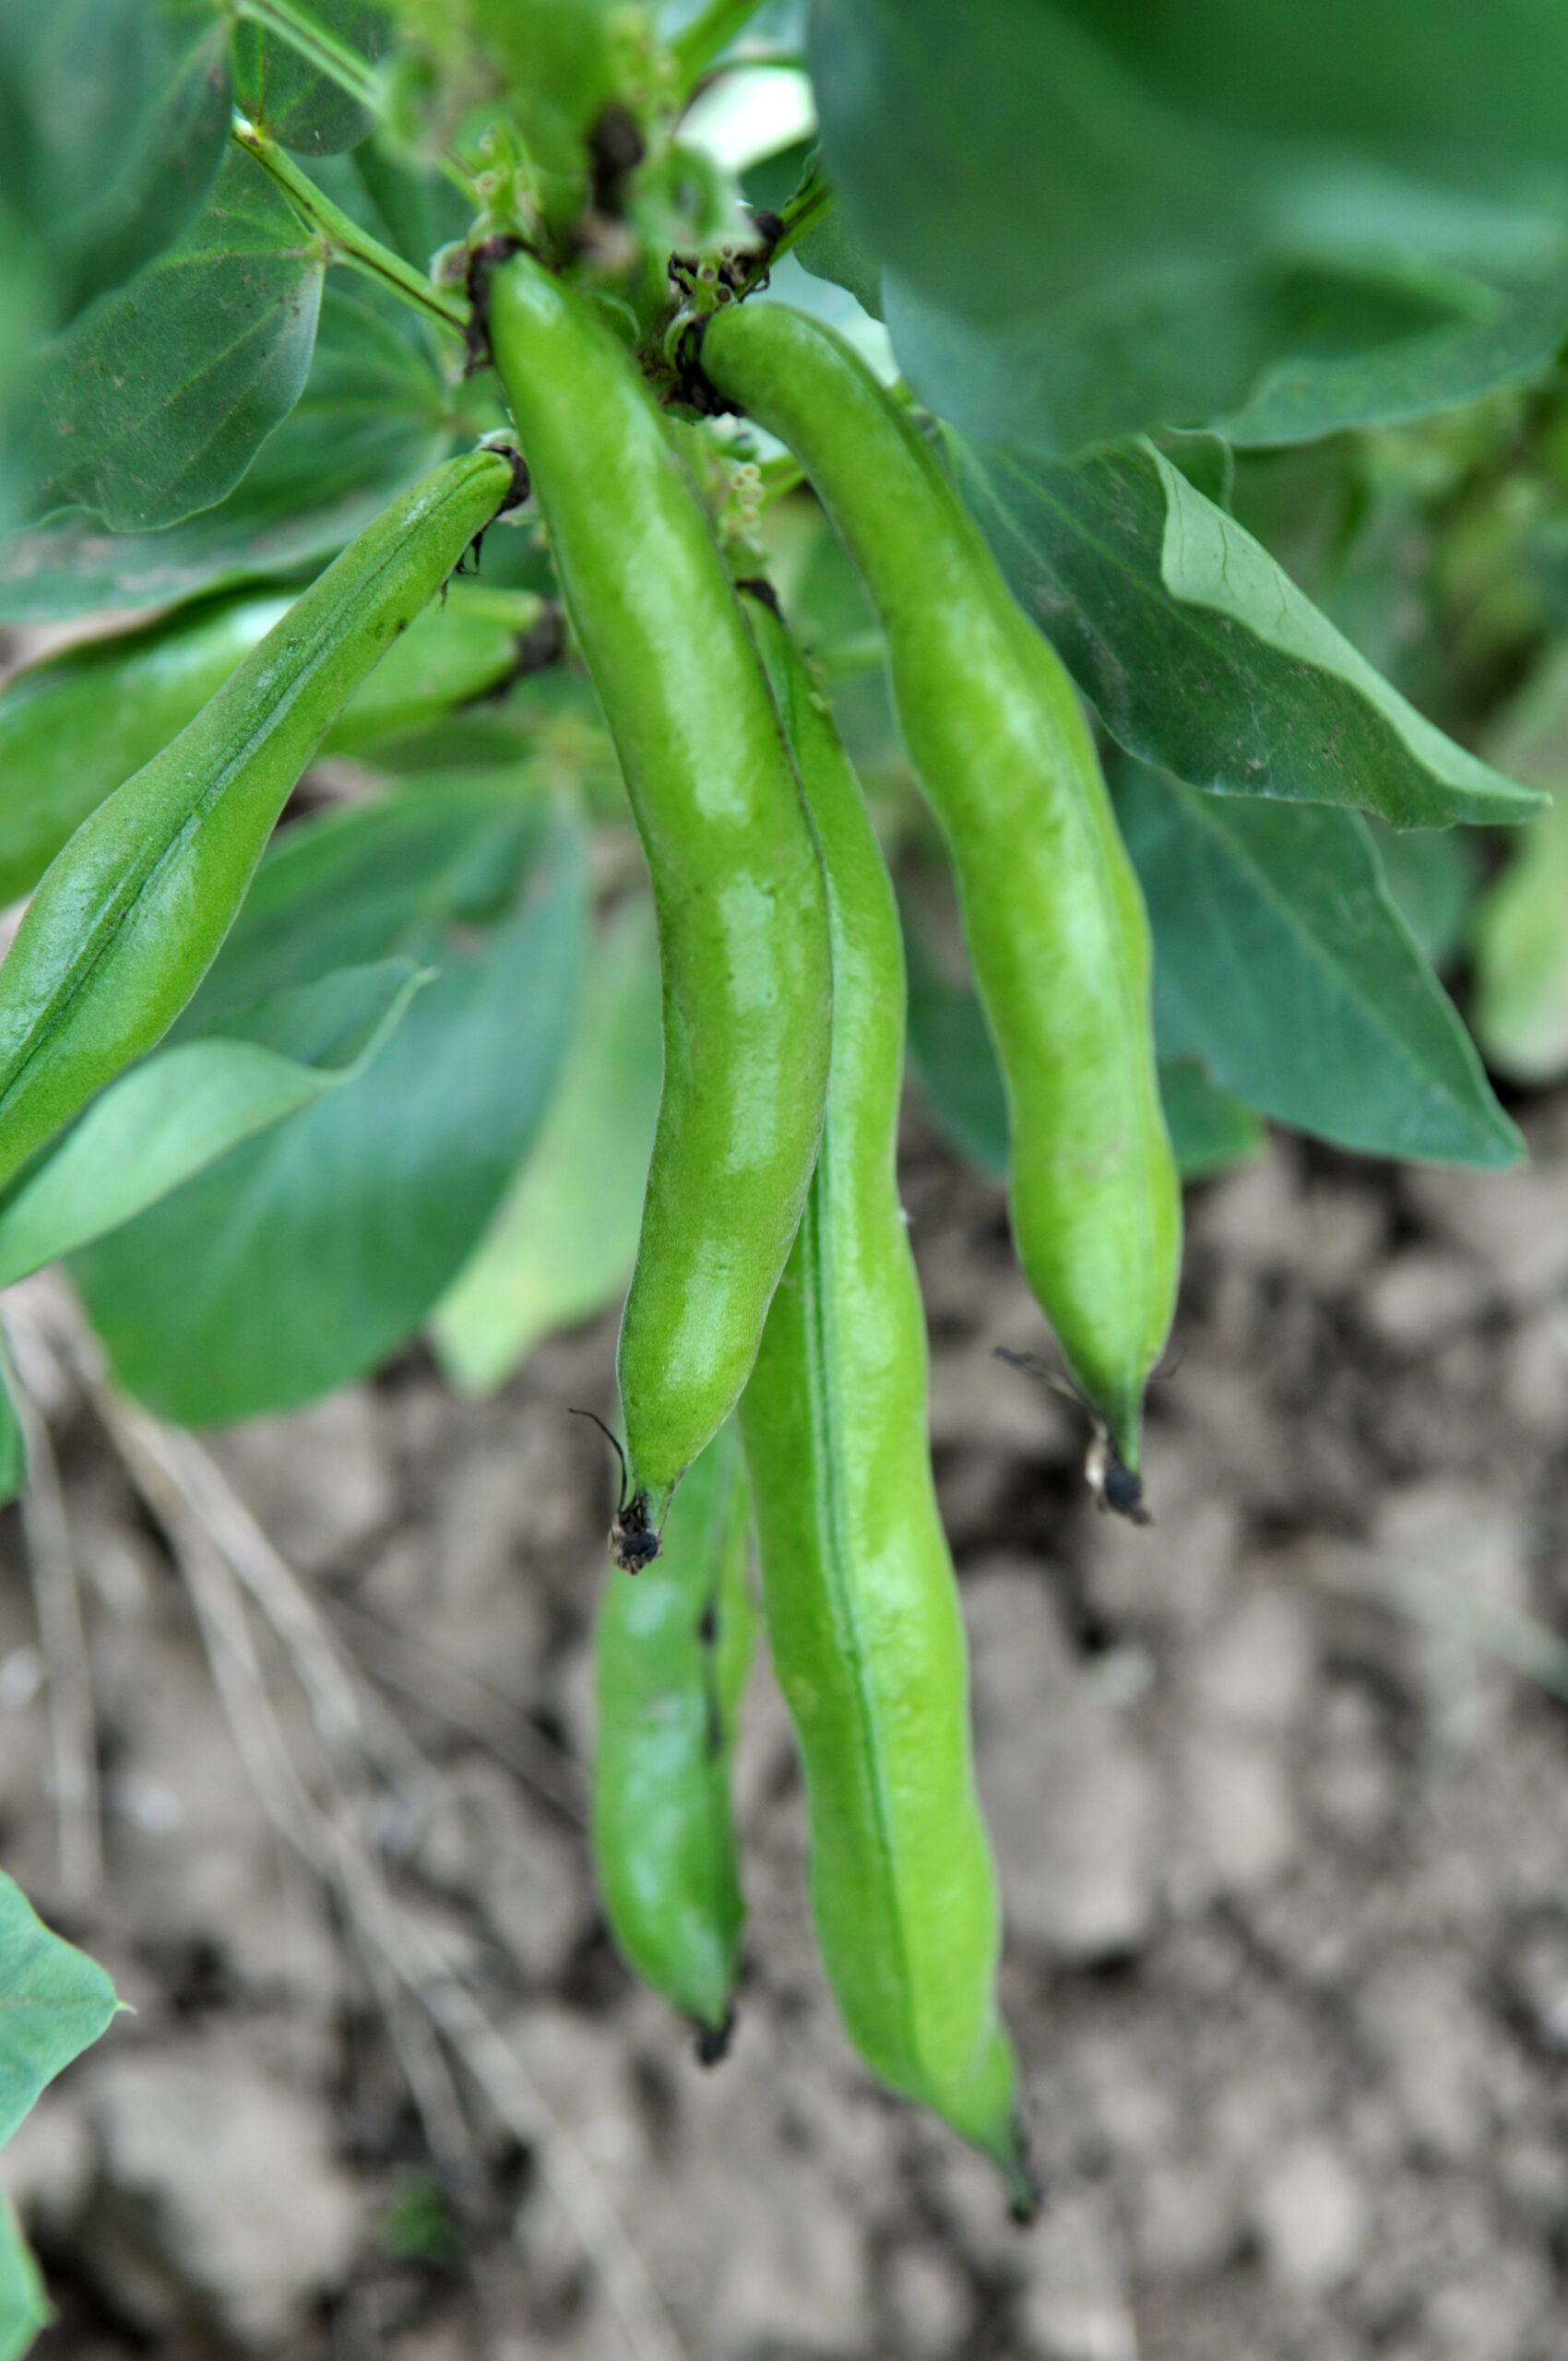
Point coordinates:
[(185, 1107), (1282, 964), (1285, 359), (302, 1258), (1298, 217), (374, 416), (562, 1244), (113, 115), (282, 93), (54, 2002), (1199, 653), (154, 404)]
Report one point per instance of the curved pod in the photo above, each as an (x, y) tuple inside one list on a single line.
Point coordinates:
[(743, 925), (671, 1650), (77, 723), (1057, 933), (129, 916), (858, 1585)]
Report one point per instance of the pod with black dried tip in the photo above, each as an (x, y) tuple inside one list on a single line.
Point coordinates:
[(737, 889), (1057, 932), (671, 1650)]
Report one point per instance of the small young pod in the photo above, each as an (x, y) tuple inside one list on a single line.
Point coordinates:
[(857, 1586), (1057, 932), (742, 926), (129, 915), (671, 1650)]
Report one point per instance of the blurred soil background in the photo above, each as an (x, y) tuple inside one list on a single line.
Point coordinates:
[(1280, 1789)]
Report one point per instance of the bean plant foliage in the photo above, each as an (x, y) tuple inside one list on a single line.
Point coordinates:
[(1239, 332)]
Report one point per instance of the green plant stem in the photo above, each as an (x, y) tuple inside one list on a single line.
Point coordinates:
[(313, 41), (814, 197), (349, 243), (709, 33)]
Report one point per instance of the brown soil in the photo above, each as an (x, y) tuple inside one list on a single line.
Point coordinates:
[(1280, 1789)]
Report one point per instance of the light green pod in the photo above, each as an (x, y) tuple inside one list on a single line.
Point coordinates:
[(857, 1583), (743, 925), (671, 1650), (73, 727), (1055, 923), (128, 917), (468, 645)]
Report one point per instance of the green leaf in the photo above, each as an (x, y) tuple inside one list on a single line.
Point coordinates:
[(1354, 209), (113, 115), (154, 404), (54, 2002), (954, 1062), (562, 1245), (24, 317), (303, 1257), (185, 1107), (13, 1437), (284, 96), (831, 248), (1188, 350), (1521, 957), (374, 416), (1431, 874), (1281, 962), (1520, 933), (1198, 651), (1209, 1130), (24, 2307), (952, 1053)]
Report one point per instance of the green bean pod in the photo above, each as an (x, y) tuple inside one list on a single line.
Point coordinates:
[(73, 726), (858, 1585), (1055, 923), (128, 917), (672, 1652), (737, 884)]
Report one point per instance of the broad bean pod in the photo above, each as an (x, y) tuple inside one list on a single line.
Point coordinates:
[(671, 1650), (858, 1585), (128, 917), (1055, 923), (737, 884), (75, 726)]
